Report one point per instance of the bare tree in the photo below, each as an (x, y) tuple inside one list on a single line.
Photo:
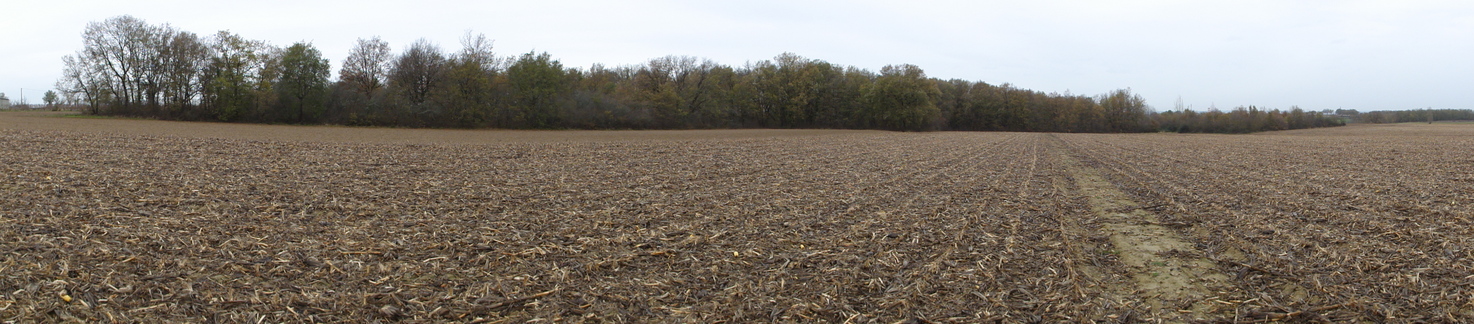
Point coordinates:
[(418, 71), (119, 48), (84, 82), (129, 66), (184, 59), (366, 67), (476, 48)]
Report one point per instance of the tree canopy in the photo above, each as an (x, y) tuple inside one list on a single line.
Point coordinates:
[(129, 67), (303, 85)]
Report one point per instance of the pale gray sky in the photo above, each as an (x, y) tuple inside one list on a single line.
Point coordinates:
[(1368, 55)]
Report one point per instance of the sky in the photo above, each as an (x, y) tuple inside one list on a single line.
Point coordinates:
[(1365, 55)]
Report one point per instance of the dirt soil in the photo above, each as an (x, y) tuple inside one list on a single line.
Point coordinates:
[(1368, 223), (105, 220), (1168, 271), (74, 122)]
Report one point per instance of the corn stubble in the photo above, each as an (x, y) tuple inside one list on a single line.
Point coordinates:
[(1362, 224), (850, 227), (846, 227)]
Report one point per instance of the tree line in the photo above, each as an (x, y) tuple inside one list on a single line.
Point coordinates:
[(1418, 115), (129, 67), (1243, 120)]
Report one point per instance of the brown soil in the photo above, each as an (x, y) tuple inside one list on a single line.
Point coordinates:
[(1168, 272), (72, 122), (1338, 225), (110, 220), (1422, 130), (855, 227)]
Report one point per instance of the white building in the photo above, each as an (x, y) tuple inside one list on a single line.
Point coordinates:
[(4, 102)]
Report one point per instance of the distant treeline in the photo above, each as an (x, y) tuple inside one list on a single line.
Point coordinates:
[(1243, 120), (1404, 116), (128, 67)]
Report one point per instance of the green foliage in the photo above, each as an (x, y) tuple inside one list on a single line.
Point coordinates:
[(1242, 120), (901, 99), (538, 83), (303, 83), (468, 93), (238, 77), (230, 78), (49, 98)]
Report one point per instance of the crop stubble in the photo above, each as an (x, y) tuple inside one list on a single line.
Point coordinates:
[(817, 227), (1367, 223), (849, 227)]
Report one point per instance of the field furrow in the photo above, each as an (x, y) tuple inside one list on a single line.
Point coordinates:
[(850, 227), (737, 226), (1309, 227)]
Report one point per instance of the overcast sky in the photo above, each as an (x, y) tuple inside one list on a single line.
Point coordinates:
[(1367, 55)]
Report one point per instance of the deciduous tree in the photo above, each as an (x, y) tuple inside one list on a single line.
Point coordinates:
[(1124, 111), (367, 65), (538, 81), (415, 74), (238, 75), (468, 93), (50, 98), (901, 99), (303, 83), (184, 60)]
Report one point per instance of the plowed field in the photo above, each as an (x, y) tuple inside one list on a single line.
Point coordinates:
[(1368, 223), (106, 223)]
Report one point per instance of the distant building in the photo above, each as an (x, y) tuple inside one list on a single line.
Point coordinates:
[(4, 102)]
